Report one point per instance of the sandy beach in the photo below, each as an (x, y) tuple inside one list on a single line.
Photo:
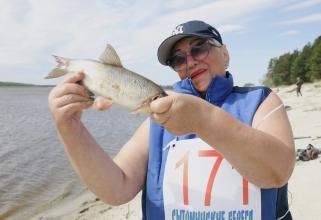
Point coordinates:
[(88, 206), (304, 186), (305, 117)]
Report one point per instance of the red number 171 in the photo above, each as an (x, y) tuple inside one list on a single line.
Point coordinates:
[(210, 183)]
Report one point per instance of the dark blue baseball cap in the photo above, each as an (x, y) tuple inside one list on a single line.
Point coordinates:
[(191, 28)]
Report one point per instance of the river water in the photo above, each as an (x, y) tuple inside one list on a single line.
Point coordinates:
[(34, 169)]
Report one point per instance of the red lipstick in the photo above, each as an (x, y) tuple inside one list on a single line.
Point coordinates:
[(197, 73)]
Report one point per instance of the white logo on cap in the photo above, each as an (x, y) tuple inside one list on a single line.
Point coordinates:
[(214, 32), (178, 30)]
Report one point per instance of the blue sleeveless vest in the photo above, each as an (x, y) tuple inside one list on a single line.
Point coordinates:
[(241, 103)]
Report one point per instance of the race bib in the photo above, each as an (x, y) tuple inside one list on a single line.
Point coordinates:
[(200, 184)]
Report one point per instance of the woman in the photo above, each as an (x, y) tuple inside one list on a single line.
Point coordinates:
[(211, 150)]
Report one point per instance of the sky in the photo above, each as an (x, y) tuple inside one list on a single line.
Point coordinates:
[(254, 31)]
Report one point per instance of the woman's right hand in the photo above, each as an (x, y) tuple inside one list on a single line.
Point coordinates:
[(68, 99)]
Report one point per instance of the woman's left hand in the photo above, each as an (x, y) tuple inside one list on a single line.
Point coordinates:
[(180, 114)]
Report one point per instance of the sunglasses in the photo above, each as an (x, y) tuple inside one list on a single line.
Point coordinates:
[(199, 52)]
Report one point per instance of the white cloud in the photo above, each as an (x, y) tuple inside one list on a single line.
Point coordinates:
[(33, 30), (289, 33), (230, 28), (303, 20), (216, 13), (181, 4), (302, 5), (46, 27)]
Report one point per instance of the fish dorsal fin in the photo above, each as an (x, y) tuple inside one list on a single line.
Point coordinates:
[(109, 56)]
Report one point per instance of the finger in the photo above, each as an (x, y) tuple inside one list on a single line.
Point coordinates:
[(161, 105), (102, 104), (72, 108), (69, 99), (75, 77), (161, 118), (71, 88)]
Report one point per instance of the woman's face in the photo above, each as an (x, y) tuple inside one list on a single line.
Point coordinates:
[(201, 72)]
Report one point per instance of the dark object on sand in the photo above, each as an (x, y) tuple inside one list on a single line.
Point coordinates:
[(84, 210), (302, 137), (310, 153), (287, 107)]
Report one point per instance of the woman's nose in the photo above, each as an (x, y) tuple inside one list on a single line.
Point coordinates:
[(190, 61)]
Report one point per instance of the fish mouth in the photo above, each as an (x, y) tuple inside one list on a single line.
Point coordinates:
[(144, 107), (153, 98), (162, 94)]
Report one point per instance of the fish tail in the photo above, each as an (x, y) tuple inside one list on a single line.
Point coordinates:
[(61, 68), (62, 62)]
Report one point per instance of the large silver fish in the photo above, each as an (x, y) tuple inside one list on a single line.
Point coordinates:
[(107, 78)]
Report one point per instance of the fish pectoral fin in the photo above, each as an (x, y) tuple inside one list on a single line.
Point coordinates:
[(110, 56), (57, 72), (142, 108), (102, 103), (136, 111)]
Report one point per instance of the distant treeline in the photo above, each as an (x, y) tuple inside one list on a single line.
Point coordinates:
[(14, 84), (286, 69), (167, 87), (20, 84)]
